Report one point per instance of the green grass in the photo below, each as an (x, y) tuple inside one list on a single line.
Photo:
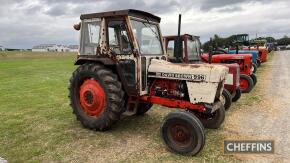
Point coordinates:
[(37, 124)]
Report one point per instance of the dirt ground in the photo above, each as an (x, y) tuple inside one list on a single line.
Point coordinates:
[(269, 118)]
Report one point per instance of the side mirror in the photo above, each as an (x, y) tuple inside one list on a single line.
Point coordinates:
[(77, 26)]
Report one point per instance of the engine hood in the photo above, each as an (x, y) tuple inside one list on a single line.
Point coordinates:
[(190, 72)]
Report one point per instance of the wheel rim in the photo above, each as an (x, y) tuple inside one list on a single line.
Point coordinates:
[(92, 97), (180, 135), (244, 84)]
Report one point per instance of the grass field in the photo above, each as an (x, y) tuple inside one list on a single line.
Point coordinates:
[(37, 124)]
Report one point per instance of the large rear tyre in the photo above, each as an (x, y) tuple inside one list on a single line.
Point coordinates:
[(213, 120), (96, 96), (254, 78), (183, 133), (143, 108), (246, 83), (237, 95), (226, 99)]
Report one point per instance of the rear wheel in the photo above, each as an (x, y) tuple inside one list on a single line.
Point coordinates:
[(254, 78), (226, 99), (246, 83), (143, 108), (183, 133), (212, 120), (237, 95), (96, 96)]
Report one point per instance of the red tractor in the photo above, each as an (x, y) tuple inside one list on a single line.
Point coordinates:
[(247, 78), (122, 67), (192, 54), (263, 53)]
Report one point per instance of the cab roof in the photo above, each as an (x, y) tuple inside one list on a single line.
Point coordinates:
[(120, 13), (184, 35)]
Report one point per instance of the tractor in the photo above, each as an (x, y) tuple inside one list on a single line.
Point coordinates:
[(255, 59), (191, 54), (248, 78), (123, 70), (252, 46), (263, 53)]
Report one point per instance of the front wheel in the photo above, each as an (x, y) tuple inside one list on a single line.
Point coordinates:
[(237, 95), (254, 67), (246, 83), (226, 99), (212, 120), (254, 78), (183, 133)]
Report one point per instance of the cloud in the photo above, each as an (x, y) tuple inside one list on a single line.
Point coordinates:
[(25, 23)]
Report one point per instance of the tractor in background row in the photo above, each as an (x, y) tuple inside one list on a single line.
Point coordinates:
[(248, 78), (192, 54), (123, 68), (251, 46)]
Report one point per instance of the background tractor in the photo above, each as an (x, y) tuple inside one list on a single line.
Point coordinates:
[(248, 78), (123, 69), (191, 54)]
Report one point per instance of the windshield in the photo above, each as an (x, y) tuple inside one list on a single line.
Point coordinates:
[(148, 37), (193, 49), (90, 31)]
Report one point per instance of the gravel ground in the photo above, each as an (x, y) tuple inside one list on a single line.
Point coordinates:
[(268, 119)]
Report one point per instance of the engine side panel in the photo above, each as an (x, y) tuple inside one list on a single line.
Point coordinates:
[(202, 92)]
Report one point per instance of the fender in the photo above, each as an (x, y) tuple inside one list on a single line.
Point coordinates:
[(83, 59)]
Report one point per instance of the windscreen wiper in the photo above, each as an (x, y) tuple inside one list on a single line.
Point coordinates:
[(148, 26)]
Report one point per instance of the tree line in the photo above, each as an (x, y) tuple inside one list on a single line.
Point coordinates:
[(229, 41)]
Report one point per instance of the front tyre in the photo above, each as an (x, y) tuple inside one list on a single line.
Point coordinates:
[(212, 120), (183, 133), (237, 95), (226, 99), (96, 96), (246, 83), (254, 78), (254, 67)]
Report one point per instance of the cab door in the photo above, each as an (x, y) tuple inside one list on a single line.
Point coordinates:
[(149, 45), (121, 49)]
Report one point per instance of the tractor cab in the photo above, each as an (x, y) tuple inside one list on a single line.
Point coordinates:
[(126, 39)]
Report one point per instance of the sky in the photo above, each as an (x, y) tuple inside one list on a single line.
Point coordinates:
[(25, 23)]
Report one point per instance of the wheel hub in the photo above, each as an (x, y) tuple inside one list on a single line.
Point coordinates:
[(180, 134), (92, 97), (89, 97), (244, 84)]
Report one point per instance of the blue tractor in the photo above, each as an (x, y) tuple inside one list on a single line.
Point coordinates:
[(254, 53)]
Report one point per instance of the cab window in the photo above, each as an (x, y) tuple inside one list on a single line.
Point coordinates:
[(90, 36), (148, 37), (118, 37), (193, 50)]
